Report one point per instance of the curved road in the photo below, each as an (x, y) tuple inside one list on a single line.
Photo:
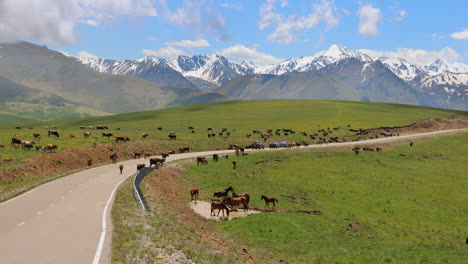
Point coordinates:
[(62, 221)]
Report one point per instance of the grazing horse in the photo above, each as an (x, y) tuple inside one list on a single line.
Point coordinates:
[(235, 202), (194, 193), (234, 163), (113, 157), (216, 204), (223, 193), (121, 166), (90, 162), (269, 200)]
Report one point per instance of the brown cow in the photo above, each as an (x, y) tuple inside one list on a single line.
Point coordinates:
[(121, 166), (154, 161), (90, 162), (234, 163), (201, 159), (113, 157), (37, 136), (87, 134), (15, 141), (140, 166), (144, 135), (184, 149), (2, 146), (50, 148), (146, 155), (137, 155), (107, 134), (120, 138)]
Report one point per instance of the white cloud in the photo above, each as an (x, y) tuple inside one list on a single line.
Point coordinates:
[(368, 19), (286, 28), (345, 11), (198, 15), (241, 53), (86, 55), (189, 43), (236, 6), (417, 56), (163, 52), (53, 22), (152, 38), (460, 35), (284, 3)]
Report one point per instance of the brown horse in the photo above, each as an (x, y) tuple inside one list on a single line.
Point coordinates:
[(217, 204), (194, 193), (269, 200), (245, 195), (223, 193), (235, 202), (121, 166)]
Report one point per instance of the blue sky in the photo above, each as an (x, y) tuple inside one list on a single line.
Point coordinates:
[(264, 31)]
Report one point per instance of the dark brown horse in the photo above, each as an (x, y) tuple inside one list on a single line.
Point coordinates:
[(194, 193), (223, 193), (269, 200), (217, 204)]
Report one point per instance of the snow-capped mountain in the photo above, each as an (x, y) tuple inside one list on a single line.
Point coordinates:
[(401, 68), (441, 66), (448, 79), (318, 61)]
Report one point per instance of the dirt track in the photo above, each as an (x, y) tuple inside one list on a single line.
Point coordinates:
[(61, 222)]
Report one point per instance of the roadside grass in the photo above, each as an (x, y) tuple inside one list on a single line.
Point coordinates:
[(158, 235), (408, 205)]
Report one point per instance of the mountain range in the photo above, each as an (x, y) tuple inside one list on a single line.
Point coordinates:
[(37, 83), (439, 84)]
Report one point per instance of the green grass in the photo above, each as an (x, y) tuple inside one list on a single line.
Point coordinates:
[(404, 209), (243, 116)]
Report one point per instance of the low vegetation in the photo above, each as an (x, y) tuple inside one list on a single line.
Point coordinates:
[(406, 205)]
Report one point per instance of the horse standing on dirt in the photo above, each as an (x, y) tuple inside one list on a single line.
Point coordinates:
[(223, 193), (217, 204), (194, 193), (235, 202), (245, 195), (269, 200), (121, 166)]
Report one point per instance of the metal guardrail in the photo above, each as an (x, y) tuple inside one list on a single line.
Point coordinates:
[(136, 187)]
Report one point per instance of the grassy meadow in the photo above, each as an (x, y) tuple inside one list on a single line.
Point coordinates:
[(241, 116), (406, 205)]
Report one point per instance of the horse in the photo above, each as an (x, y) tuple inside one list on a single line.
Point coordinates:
[(235, 202), (245, 195), (220, 206), (121, 166), (194, 193), (269, 200), (223, 193)]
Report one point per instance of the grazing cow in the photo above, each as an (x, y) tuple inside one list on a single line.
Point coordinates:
[(269, 200), (101, 127), (137, 155), (72, 136), (378, 149), (82, 127), (146, 155), (194, 193), (223, 193), (120, 138), (209, 129), (140, 166), (38, 148), (164, 154), (237, 152), (107, 134), (90, 162), (2, 146), (184, 149), (37, 136), (18, 127), (154, 161), (172, 135), (27, 144), (15, 141), (113, 157), (248, 135), (226, 156), (144, 135), (411, 143), (191, 128), (215, 157), (50, 148), (121, 166), (216, 204), (7, 160), (234, 163), (87, 134), (235, 202), (170, 152), (203, 160), (160, 128), (53, 133)]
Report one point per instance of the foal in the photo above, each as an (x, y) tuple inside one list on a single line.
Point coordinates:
[(269, 200)]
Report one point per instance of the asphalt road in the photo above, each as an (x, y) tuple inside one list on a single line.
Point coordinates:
[(67, 220)]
